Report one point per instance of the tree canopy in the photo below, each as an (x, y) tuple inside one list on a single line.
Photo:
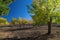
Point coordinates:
[(3, 21), (4, 6), (21, 21), (42, 10)]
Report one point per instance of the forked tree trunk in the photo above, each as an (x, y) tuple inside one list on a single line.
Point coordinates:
[(49, 26)]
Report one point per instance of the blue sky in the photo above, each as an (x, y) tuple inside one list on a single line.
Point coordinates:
[(18, 9)]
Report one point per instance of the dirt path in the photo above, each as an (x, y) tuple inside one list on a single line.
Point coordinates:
[(32, 34)]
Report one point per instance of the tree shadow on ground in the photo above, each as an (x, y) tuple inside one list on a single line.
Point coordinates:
[(44, 37)]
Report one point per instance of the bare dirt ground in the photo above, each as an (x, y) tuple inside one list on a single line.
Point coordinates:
[(37, 33)]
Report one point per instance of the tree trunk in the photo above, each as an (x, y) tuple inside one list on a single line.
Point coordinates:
[(49, 25)]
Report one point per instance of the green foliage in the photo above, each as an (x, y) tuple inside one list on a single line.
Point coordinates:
[(42, 10), (4, 6), (3, 21), (14, 21), (20, 21)]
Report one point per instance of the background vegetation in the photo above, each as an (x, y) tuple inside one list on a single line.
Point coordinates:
[(4, 21)]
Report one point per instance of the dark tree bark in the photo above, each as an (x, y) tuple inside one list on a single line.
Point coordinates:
[(49, 25)]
